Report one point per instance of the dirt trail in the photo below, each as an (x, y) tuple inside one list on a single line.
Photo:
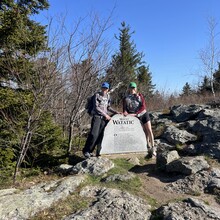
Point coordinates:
[(154, 182)]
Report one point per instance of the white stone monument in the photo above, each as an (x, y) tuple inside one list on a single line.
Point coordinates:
[(124, 134)]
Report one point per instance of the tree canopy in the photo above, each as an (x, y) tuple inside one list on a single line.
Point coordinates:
[(127, 65), (20, 37)]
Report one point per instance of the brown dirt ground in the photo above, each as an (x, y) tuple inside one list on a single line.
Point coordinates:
[(154, 181)]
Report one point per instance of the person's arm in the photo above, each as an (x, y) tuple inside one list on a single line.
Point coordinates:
[(113, 110), (109, 108), (124, 104)]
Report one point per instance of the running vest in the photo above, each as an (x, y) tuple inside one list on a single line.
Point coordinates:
[(133, 103)]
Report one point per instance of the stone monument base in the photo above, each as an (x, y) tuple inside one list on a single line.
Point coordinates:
[(124, 134)]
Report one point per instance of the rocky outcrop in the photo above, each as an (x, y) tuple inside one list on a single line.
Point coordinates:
[(182, 113), (20, 205), (213, 185), (165, 157), (188, 133), (195, 129), (183, 137), (112, 204), (204, 181), (187, 209), (176, 136), (187, 165), (93, 165)]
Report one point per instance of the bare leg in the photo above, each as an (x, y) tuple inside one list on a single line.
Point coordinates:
[(149, 134), (150, 138)]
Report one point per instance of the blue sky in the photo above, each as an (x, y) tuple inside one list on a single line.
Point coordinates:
[(169, 32)]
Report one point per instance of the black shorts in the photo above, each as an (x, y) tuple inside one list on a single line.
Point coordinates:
[(144, 118)]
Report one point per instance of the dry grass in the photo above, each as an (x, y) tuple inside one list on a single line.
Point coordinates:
[(162, 101), (63, 208)]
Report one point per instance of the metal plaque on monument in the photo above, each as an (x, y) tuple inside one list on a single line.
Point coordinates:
[(124, 134)]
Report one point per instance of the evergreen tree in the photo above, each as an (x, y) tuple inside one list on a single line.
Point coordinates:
[(125, 62), (24, 82), (144, 78), (127, 66), (186, 91), (128, 57), (20, 38), (205, 86)]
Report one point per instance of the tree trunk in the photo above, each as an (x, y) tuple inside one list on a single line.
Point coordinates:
[(70, 137), (24, 147), (212, 86)]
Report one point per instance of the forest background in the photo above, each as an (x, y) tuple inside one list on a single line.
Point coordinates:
[(47, 74)]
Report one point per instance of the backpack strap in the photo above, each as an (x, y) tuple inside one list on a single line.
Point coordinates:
[(109, 98)]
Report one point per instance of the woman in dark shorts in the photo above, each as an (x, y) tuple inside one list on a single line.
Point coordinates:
[(134, 104)]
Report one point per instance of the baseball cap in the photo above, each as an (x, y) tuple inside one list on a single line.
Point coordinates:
[(105, 85), (133, 85)]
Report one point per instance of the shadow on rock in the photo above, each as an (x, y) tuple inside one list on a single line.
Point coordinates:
[(151, 170), (74, 159)]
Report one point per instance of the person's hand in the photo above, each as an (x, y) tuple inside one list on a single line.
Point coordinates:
[(107, 117), (133, 115), (125, 113)]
